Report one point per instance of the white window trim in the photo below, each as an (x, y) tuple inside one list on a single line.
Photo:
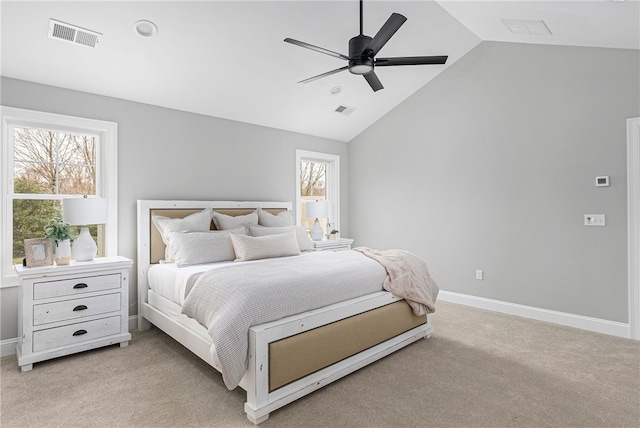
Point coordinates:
[(333, 187), (106, 182)]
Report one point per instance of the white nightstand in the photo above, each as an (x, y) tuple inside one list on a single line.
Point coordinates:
[(333, 244), (68, 309)]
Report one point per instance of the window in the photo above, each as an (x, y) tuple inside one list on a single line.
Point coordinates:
[(47, 158), (318, 178)]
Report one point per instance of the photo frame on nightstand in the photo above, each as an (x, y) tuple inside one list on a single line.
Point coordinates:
[(38, 252)]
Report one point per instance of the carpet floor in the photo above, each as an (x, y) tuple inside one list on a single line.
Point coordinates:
[(479, 369)]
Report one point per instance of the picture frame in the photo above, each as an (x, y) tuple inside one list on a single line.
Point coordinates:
[(38, 252)]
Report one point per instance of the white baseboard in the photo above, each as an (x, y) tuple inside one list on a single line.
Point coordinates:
[(597, 325), (133, 322), (8, 347)]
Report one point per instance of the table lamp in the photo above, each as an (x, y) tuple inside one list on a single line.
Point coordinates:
[(317, 209), (83, 212)]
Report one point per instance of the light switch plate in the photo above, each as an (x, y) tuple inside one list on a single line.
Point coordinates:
[(594, 220)]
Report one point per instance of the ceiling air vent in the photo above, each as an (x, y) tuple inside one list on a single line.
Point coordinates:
[(344, 110), (72, 34), (518, 26)]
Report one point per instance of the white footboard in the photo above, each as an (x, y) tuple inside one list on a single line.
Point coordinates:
[(260, 402)]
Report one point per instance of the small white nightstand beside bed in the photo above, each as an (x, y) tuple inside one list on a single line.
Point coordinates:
[(338, 244), (68, 309)]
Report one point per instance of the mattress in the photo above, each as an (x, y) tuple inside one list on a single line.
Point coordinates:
[(172, 282), (169, 281)]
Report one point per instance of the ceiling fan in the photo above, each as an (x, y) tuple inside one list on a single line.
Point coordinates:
[(363, 49)]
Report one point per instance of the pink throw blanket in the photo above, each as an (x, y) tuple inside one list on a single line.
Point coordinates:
[(408, 277)]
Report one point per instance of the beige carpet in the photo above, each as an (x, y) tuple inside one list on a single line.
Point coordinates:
[(480, 369)]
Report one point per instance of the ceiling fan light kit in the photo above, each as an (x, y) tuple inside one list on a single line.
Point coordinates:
[(363, 49)]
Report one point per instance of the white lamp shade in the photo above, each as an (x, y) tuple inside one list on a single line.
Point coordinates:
[(84, 211), (317, 209)]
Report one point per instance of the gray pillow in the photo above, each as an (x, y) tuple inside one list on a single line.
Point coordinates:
[(304, 242), (195, 248), (225, 222), (196, 222), (265, 218), (264, 247)]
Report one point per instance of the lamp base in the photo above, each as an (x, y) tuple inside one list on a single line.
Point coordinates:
[(84, 247), (316, 231)]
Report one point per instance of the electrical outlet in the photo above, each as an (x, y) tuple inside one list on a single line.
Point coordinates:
[(479, 274)]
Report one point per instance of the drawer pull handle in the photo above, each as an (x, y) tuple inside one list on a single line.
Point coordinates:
[(81, 285), (80, 308), (80, 332)]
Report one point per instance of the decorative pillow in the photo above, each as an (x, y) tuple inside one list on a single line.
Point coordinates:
[(225, 222), (265, 218), (196, 222), (264, 247), (304, 242), (195, 248)]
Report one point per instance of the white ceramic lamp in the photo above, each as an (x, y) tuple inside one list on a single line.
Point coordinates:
[(317, 209), (83, 212)]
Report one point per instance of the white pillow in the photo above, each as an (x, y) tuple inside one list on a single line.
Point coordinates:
[(225, 222), (264, 247), (265, 218), (195, 248), (304, 242), (196, 222)]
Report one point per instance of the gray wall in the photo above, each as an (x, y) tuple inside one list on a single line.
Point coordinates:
[(492, 166), (170, 154)]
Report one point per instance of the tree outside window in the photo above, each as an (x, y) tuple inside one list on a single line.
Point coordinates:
[(313, 185), (48, 165), (317, 178)]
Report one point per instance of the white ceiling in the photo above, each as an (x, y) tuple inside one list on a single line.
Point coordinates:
[(228, 59)]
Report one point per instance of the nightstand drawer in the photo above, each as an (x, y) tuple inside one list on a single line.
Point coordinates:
[(75, 308), (75, 333), (68, 287)]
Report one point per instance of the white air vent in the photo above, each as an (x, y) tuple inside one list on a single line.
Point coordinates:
[(344, 110), (72, 34), (518, 26)]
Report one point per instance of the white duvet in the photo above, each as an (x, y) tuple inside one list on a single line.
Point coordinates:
[(231, 299)]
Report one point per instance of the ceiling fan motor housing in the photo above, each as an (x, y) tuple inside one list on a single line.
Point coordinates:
[(359, 63)]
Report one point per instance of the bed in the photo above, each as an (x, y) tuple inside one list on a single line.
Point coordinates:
[(286, 358)]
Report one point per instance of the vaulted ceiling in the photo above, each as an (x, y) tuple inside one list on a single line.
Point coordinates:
[(228, 59)]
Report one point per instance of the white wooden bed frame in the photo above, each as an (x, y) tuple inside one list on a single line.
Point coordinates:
[(260, 402)]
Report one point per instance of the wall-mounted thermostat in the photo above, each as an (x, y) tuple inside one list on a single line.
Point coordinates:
[(602, 181)]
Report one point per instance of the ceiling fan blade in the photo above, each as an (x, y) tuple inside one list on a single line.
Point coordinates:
[(373, 81), (328, 73), (411, 60), (389, 28), (316, 48)]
